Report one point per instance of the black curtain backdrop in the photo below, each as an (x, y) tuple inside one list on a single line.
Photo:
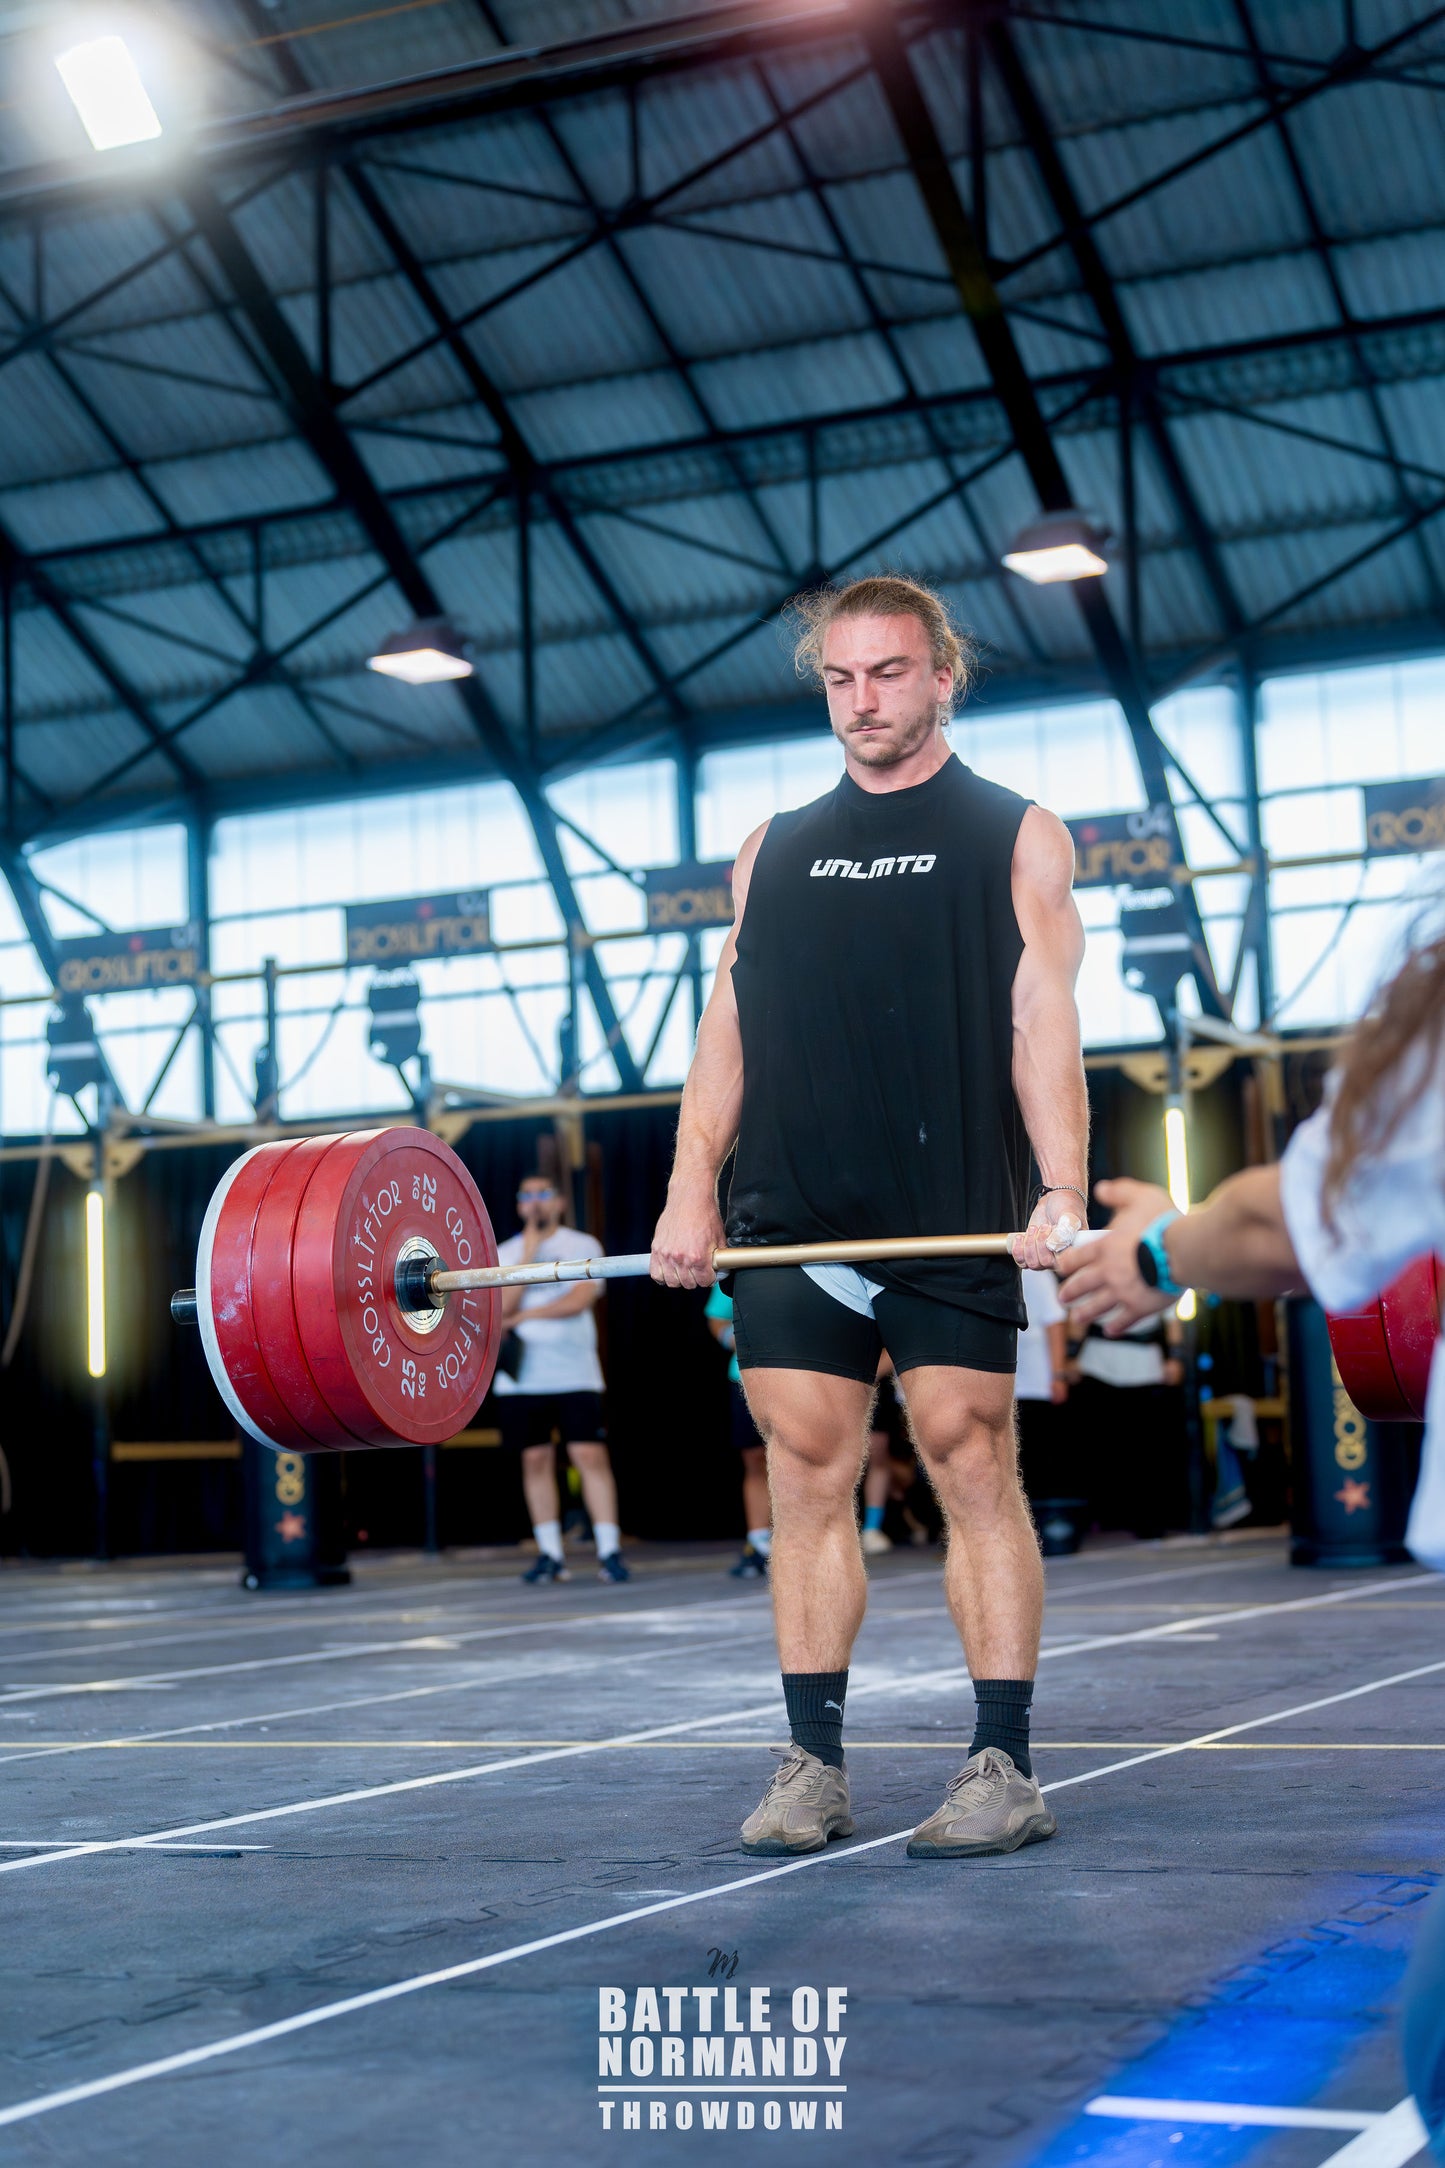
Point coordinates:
[(667, 1394)]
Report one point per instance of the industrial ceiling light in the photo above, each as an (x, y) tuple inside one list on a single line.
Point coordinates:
[(107, 92), (1060, 546), (424, 654)]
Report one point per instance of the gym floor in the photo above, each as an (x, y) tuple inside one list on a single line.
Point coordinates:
[(243, 1836)]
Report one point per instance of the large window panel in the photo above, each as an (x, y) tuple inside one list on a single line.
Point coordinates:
[(1202, 726), (473, 835), (739, 789), (128, 877), (1352, 726), (1338, 930), (1073, 759), (630, 810), (643, 976)]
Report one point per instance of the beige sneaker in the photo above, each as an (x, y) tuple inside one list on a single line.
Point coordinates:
[(875, 1543), (990, 1807), (805, 1805)]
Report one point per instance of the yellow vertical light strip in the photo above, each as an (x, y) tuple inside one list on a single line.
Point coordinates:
[(1176, 1160), (1176, 1155), (95, 1282)]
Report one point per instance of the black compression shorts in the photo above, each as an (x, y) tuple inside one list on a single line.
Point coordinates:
[(540, 1418), (784, 1321)]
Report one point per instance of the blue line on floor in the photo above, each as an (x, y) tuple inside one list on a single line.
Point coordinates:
[(1281, 2029)]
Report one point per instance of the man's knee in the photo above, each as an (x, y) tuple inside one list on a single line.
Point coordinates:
[(971, 1457), (806, 1462), (589, 1454)]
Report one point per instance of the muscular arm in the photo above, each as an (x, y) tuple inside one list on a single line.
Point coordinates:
[(1235, 1244), (691, 1228), (1048, 1061)]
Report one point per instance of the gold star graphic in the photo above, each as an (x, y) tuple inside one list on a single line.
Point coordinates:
[(1355, 1496)]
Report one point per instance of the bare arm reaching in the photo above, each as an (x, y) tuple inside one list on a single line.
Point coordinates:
[(1048, 1061), (691, 1227), (1235, 1244)]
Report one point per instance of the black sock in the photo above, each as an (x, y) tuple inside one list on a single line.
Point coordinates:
[(815, 1712), (1002, 1719)]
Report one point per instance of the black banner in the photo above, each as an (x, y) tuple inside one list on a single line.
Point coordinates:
[(294, 1519), (1350, 1481), (112, 963), (1401, 817), (410, 929), (680, 899), (1114, 850)]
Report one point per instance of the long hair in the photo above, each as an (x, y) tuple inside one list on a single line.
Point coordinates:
[(1399, 1039), (884, 595)]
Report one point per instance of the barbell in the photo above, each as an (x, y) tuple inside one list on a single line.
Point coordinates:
[(348, 1294), (348, 1291)]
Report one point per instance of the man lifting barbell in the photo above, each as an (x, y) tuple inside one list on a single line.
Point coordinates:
[(891, 1027)]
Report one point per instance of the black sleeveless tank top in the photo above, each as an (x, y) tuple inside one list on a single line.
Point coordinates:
[(874, 971)]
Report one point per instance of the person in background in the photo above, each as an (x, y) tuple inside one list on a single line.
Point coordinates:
[(558, 1389), (1041, 1386), (757, 1506), (1130, 1427), (886, 1441), (1359, 1193)]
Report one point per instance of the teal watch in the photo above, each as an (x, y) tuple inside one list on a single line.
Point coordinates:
[(1153, 1259)]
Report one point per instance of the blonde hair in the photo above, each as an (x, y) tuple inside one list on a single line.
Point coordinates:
[(885, 594), (1393, 1060)]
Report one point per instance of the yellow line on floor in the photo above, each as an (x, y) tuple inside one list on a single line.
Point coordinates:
[(688, 1746)]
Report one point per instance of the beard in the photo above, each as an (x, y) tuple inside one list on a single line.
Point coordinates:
[(905, 736)]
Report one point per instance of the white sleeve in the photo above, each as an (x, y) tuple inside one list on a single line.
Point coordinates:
[(1392, 1207)]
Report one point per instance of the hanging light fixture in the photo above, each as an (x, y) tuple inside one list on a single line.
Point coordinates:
[(1060, 546), (425, 654), (106, 89)]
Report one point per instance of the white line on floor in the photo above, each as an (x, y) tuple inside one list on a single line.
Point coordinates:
[(43, 1844), (1395, 2139), (444, 1623), (469, 1968), (537, 1668), (429, 1616), (544, 1623), (952, 1673), (455, 1686), (1238, 2113), (281, 1608)]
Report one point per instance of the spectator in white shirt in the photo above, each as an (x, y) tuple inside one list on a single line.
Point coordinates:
[(556, 1393)]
